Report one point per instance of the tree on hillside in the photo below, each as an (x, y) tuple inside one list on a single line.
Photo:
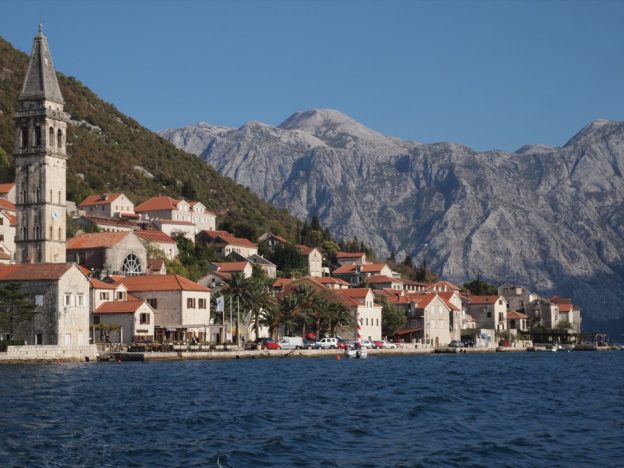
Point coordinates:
[(288, 259), (424, 274), (479, 287), (392, 318), (16, 308)]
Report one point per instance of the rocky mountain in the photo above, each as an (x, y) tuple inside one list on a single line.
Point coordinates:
[(551, 219)]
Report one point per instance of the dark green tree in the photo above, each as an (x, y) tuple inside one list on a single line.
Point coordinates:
[(16, 308), (479, 287)]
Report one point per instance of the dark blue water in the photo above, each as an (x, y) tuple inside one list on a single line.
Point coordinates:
[(530, 409)]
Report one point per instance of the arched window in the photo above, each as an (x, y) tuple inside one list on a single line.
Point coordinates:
[(37, 135), (24, 135), (59, 139), (131, 265), (51, 138)]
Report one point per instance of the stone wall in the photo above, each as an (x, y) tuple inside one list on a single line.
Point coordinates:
[(49, 353)]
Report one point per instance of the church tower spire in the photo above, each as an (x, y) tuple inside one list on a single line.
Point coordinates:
[(40, 161)]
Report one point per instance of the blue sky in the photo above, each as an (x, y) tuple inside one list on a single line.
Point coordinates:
[(488, 74)]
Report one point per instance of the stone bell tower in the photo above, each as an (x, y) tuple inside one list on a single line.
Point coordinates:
[(40, 162)]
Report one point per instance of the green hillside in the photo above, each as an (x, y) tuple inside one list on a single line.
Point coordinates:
[(111, 152)]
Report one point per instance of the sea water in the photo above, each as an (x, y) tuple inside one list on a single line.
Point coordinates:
[(493, 409)]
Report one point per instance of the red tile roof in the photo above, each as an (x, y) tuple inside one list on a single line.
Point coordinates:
[(98, 284), (161, 283), (6, 204), (304, 249), (349, 254), (442, 284), (353, 292), (483, 299), (231, 267), (96, 240), (382, 279), (224, 237), (152, 235), (119, 307), (155, 264), (281, 282), (100, 199), (6, 188), (514, 315), (157, 204), (331, 280), (34, 271), (370, 268)]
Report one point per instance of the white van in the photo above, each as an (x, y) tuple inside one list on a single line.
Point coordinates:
[(291, 342)]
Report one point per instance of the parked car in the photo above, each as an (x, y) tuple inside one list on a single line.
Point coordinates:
[(383, 344), (270, 344), (291, 342), (308, 344), (327, 343), (368, 344), (456, 344)]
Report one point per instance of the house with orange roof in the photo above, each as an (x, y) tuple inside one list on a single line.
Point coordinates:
[(231, 268), (314, 258), (516, 321), (490, 312), (279, 284), (568, 312), (164, 208), (384, 282), (181, 307), (132, 318), (108, 252), (442, 286), (160, 241), (88, 223), (361, 301), (454, 301), (414, 286), (351, 258), (61, 292), (332, 283), (7, 192), (225, 243), (270, 240), (108, 205), (427, 321), (356, 274)]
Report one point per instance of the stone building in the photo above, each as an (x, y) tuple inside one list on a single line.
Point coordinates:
[(109, 252), (40, 161), (61, 293)]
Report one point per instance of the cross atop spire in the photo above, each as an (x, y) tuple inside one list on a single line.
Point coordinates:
[(41, 81)]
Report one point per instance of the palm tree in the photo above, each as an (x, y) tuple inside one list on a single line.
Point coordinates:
[(259, 297), (339, 315), (319, 313), (295, 307), (271, 317), (238, 290)]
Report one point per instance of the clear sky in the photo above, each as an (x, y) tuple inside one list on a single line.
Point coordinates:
[(488, 74)]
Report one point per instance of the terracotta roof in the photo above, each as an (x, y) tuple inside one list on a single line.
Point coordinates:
[(381, 279), (6, 188), (107, 221), (100, 199), (34, 271), (155, 264), (349, 254), (173, 222), (119, 307), (161, 283), (514, 315), (96, 240), (224, 237), (353, 292), (332, 280), (12, 219), (369, 268), (276, 237), (98, 284), (280, 282), (231, 267), (152, 235), (565, 307), (157, 204), (304, 249), (483, 299), (6, 204), (449, 286)]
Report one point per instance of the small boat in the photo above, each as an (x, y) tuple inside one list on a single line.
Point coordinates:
[(353, 353)]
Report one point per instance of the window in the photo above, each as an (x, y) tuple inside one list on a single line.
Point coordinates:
[(59, 139), (201, 303), (500, 302), (1, 221), (39, 299), (190, 302), (104, 296), (367, 321), (24, 137), (39, 339), (67, 299), (489, 314), (96, 320), (144, 319), (80, 299), (37, 135), (153, 302), (51, 138), (500, 317), (121, 295), (132, 265)]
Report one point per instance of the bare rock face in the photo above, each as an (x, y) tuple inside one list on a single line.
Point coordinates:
[(551, 219)]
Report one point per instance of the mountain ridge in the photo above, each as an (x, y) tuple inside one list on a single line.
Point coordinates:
[(545, 217)]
